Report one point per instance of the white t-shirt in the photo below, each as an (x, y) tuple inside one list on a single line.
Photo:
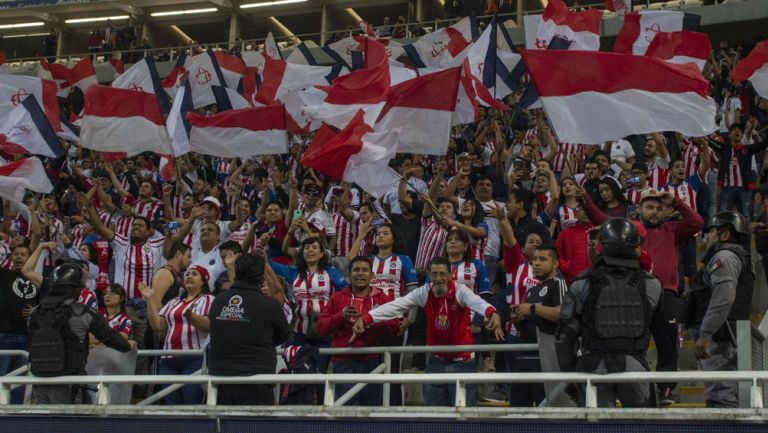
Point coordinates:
[(735, 105), (621, 150), (494, 236)]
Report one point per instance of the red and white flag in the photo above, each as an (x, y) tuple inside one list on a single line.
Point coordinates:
[(681, 47), (83, 75), (240, 133), (755, 69), (641, 27), (175, 78), (232, 68), (422, 108), (203, 72), (57, 73), (118, 66), (355, 154), (14, 88), (280, 77), (582, 29), (122, 120), (594, 97), (26, 130), (439, 48), (18, 176), (364, 89), (3, 66)]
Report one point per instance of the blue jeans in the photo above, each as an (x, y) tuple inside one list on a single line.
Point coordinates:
[(444, 394), (10, 363), (183, 365), (370, 395)]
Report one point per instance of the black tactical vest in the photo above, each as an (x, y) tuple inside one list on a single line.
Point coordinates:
[(617, 312), (742, 303)]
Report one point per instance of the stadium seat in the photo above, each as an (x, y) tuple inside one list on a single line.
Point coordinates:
[(656, 6), (639, 7), (674, 4)]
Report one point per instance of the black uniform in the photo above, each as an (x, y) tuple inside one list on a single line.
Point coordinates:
[(246, 325)]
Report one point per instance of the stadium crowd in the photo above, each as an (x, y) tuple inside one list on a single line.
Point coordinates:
[(506, 210)]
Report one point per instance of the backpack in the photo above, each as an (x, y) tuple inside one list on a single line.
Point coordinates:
[(300, 360), (54, 350)]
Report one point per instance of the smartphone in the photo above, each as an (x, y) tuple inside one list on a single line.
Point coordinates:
[(297, 214), (172, 227), (378, 221), (634, 179)]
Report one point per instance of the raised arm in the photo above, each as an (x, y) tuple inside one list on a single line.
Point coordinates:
[(29, 271), (156, 321), (96, 222)]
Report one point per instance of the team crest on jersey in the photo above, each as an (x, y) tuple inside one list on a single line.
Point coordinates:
[(393, 265), (543, 291), (147, 249), (442, 323), (234, 311)]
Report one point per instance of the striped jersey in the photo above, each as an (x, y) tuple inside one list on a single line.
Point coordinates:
[(123, 225), (181, 335), (565, 216), (633, 195), (734, 177), (148, 209), (567, 150), (346, 232), (310, 294), (119, 322), (135, 263), (88, 298), (519, 279), (657, 177), (392, 275), (472, 274), (431, 242), (685, 191)]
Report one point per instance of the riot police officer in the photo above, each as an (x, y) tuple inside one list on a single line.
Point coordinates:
[(58, 336), (730, 280), (610, 307)]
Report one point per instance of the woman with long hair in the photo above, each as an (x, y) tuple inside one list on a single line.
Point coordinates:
[(568, 206), (312, 281), (471, 220), (184, 320), (114, 310), (612, 200)]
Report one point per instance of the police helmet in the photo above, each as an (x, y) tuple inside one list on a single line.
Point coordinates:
[(730, 218), (620, 232), (67, 274)]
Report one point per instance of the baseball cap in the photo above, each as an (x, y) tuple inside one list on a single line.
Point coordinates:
[(213, 201), (654, 194)]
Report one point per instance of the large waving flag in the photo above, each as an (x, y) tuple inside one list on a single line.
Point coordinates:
[(423, 109), (581, 28), (68, 130), (18, 176), (681, 47), (355, 154), (240, 133), (439, 48), (83, 75), (57, 73), (14, 88), (204, 72), (177, 122), (641, 27), (755, 69), (364, 89), (301, 55), (228, 99), (143, 76), (27, 127), (122, 120), (349, 51), (492, 58), (3, 66), (593, 97), (280, 77), (232, 68)]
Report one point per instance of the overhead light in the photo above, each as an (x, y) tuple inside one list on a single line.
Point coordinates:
[(20, 25), (31, 35), (189, 11), (272, 3), (90, 20)]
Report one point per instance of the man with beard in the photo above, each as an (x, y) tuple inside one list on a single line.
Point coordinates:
[(663, 242), (17, 297)]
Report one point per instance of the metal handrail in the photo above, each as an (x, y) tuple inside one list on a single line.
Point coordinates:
[(216, 45), (460, 379)]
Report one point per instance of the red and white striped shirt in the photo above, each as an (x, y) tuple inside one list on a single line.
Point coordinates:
[(633, 195), (691, 154), (567, 150), (88, 298), (147, 209), (393, 274), (123, 226), (565, 216), (135, 263), (311, 295), (519, 279), (181, 335), (684, 191), (76, 234), (733, 177), (431, 242), (657, 177), (346, 233)]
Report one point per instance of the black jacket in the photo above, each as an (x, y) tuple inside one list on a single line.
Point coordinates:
[(246, 325)]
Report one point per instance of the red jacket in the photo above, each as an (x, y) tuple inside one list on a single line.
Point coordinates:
[(574, 253), (662, 242), (331, 321)]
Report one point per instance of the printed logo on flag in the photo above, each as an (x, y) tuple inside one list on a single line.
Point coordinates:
[(438, 48), (650, 32), (136, 87), (203, 76), (19, 131), (19, 96)]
